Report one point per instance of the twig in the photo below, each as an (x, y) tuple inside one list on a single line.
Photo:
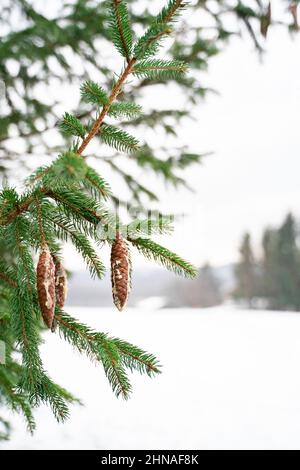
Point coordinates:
[(114, 93)]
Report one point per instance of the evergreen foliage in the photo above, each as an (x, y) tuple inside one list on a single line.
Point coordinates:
[(66, 201), (275, 277), (43, 53), (246, 273)]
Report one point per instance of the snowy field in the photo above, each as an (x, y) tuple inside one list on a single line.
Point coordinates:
[(231, 380)]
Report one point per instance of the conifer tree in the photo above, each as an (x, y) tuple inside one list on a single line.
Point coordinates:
[(246, 273), (281, 266), (68, 200), (269, 267)]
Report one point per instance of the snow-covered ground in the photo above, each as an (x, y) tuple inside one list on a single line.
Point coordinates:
[(231, 380)]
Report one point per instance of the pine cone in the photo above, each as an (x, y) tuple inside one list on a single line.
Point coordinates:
[(46, 285), (120, 275), (61, 283)]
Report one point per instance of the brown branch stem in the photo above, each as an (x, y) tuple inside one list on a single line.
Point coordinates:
[(114, 93)]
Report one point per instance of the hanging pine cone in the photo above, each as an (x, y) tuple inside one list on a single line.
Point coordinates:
[(120, 275), (61, 283), (46, 285)]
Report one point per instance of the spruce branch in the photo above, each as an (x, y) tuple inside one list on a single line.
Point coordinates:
[(118, 139), (7, 279), (17, 401), (6, 428), (149, 43), (165, 257), (171, 11), (65, 231), (114, 354), (63, 202), (77, 204), (120, 29), (96, 184), (136, 359), (123, 109), (24, 317), (114, 93), (70, 125), (159, 69), (93, 93), (68, 170), (161, 225)]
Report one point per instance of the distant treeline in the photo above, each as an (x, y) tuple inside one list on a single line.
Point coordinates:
[(272, 280), (204, 291)]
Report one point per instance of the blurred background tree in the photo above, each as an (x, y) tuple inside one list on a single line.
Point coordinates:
[(275, 277), (203, 292), (246, 273)]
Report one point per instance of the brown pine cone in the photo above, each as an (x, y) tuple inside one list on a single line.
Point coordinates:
[(61, 283), (120, 275), (46, 285)]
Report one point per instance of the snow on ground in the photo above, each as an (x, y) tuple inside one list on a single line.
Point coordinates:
[(230, 381)]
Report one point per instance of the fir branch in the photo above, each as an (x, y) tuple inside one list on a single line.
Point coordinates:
[(37, 175), (40, 224), (118, 139), (123, 109), (70, 125), (162, 225), (16, 401), (68, 169), (62, 205), (78, 204), (114, 353), (114, 93), (136, 359), (120, 29), (66, 231), (96, 184), (7, 279), (34, 380), (6, 429), (20, 206), (171, 11), (159, 69), (149, 43), (98, 348), (93, 93), (165, 257)]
